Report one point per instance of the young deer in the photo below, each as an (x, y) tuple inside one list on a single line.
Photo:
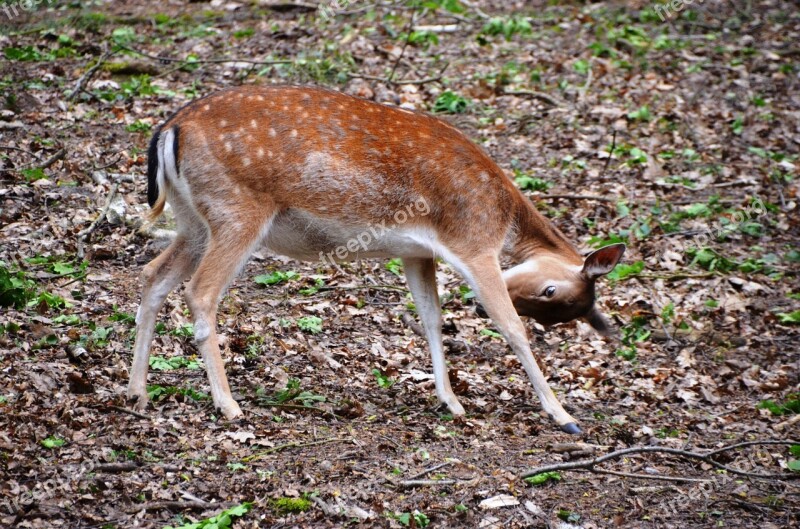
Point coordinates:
[(309, 172)]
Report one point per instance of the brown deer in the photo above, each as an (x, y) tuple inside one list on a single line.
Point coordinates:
[(308, 172)]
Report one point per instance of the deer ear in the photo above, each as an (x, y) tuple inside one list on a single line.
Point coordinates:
[(602, 261)]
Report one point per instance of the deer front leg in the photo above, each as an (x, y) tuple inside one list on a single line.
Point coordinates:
[(487, 279), (421, 279), (228, 250)]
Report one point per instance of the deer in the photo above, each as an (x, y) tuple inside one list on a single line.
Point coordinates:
[(306, 171)]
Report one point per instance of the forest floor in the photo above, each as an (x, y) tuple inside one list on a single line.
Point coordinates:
[(679, 136)]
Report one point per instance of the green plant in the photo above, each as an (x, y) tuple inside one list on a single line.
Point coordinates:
[(418, 518), (382, 379), (157, 392), (544, 477), (16, 289), (53, 442), (710, 260), (394, 266), (790, 405), (312, 324), (633, 333), (291, 393), (530, 183), (286, 505), (276, 277), (506, 26), (161, 363), (640, 114), (138, 126), (223, 520), (236, 467), (449, 102), (789, 318), (624, 271), (423, 39)]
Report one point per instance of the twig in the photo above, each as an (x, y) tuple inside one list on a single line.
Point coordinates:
[(130, 412), (83, 234), (649, 476), (413, 325), (429, 470), (362, 287), (405, 45), (59, 154), (278, 448), (204, 61), (672, 277), (547, 98), (590, 464), (20, 149), (585, 88), (475, 8), (88, 74), (402, 81), (610, 154), (426, 482), (578, 197)]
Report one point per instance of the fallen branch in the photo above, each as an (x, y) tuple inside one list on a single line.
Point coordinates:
[(58, 155), (389, 81), (130, 412), (590, 464), (88, 74), (83, 234), (204, 61), (116, 467), (541, 96)]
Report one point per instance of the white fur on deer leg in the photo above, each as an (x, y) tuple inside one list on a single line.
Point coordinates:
[(201, 331)]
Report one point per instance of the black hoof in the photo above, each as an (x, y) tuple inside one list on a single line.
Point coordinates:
[(571, 428)]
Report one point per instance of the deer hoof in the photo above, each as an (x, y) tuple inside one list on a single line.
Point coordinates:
[(571, 428)]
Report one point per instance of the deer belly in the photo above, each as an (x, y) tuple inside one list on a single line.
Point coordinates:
[(302, 235)]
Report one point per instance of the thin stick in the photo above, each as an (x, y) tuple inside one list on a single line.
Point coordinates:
[(428, 470), (589, 464), (649, 476), (578, 197), (83, 234), (130, 412), (426, 482), (547, 98), (610, 153), (88, 74), (204, 61), (405, 45), (402, 81)]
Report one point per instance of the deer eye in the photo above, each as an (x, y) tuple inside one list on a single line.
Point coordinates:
[(549, 292)]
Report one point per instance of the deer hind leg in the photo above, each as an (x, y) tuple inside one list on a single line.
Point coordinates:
[(160, 277), (487, 280), (421, 279), (228, 249)]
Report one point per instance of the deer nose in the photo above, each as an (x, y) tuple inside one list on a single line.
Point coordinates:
[(479, 310)]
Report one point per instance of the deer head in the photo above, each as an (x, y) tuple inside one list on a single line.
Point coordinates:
[(551, 290)]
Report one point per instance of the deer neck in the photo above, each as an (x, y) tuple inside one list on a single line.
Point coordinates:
[(533, 234)]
